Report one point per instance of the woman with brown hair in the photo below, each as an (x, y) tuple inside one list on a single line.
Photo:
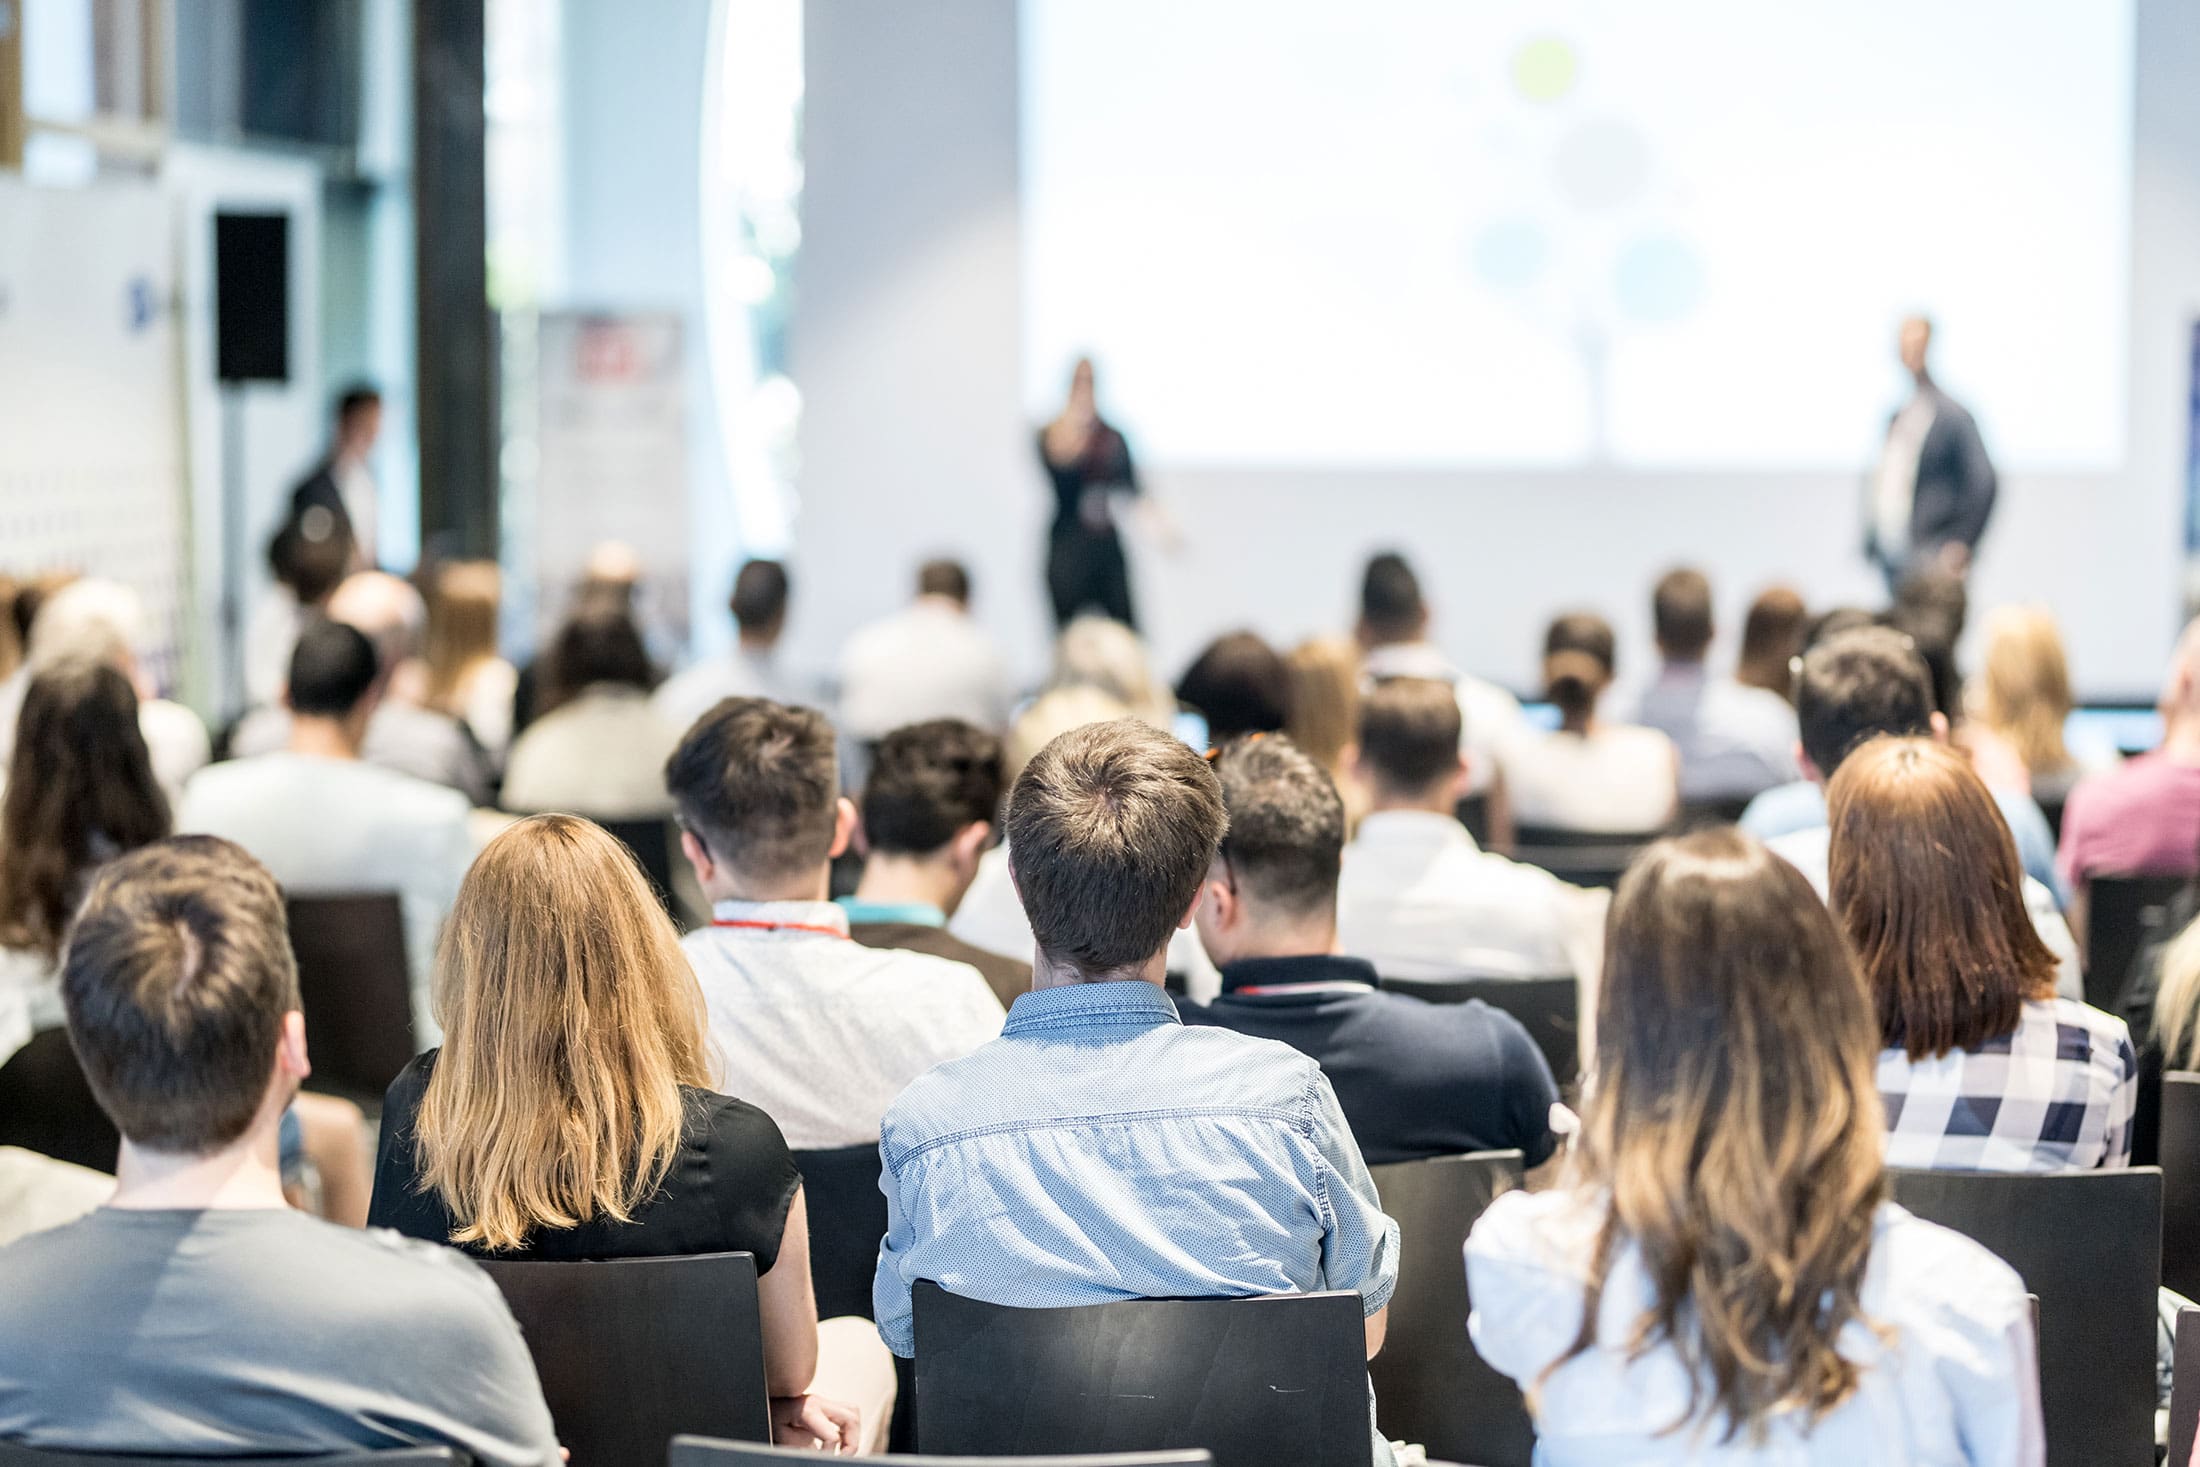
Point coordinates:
[(1983, 1067), (1721, 1278), (2021, 701), (467, 679), (1590, 774), (566, 1115)]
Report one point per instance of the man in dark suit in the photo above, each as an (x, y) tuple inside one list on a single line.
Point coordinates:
[(338, 497), (1929, 499)]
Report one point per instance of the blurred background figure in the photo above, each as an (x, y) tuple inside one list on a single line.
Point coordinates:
[(339, 498), (2020, 701), (307, 568), (1240, 685), (1589, 775), (751, 670), (1735, 740), (104, 621), (1088, 462), (467, 679), (928, 660), (599, 746), (1934, 489), (1325, 702), (1772, 638), (1107, 656)]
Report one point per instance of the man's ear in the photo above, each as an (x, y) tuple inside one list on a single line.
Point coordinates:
[(1220, 902), (1465, 778), (698, 856), (290, 1049), (969, 845), (845, 822), (1939, 723), (1805, 767)]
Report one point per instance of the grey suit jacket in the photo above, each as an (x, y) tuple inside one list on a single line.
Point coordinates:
[(1956, 486)]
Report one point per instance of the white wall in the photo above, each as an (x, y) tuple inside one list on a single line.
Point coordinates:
[(905, 346)]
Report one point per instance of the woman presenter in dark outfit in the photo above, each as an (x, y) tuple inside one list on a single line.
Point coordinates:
[(1090, 466)]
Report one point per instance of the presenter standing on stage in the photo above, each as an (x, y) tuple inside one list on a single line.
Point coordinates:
[(1935, 486), (1089, 464)]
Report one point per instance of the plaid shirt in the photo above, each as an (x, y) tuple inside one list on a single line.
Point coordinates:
[(2055, 1095)]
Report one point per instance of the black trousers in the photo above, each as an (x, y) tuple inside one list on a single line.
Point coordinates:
[(1087, 572)]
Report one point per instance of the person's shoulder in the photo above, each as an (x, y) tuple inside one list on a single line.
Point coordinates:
[(401, 797), (2102, 1031), (932, 977), (1550, 1232), (1924, 1278)]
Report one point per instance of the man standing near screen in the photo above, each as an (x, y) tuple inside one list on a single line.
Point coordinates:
[(1934, 487)]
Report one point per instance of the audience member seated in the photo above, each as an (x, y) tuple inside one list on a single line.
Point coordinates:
[(1984, 1069), (1418, 898), (308, 557), (1588, 774), (1108, 657), (104, 621), (751, 669), (1869, 683), (1240, 685), (404, 736), (2143, 817), (197, 1314), (467, 679), (1856, 685), (568, 1114), (324, 820), (930, 660), (1393, 633), (929, 806), (1735, 740), (816, 1029), (1100, 1149), (1773, 632), (1325, 713), (597, 746), (1722, 1281), (28, 598), (1415, 1079), (2021, 701)]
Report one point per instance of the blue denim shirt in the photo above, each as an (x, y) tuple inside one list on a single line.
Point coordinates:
[(1100, 1150)]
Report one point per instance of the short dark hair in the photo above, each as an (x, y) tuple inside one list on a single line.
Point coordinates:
[(1579, 657), (599, 643), (355, 399), (177, 978), (331, 669), (1390, 596), (1240, 684), (1111, 829), (944, 578), (1680, 613), (759, 601), (928, 783), (1409, 731), (1857, 685), (758, 783), (1287, 823)]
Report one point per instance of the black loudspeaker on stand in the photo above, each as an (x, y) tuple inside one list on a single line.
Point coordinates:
[(251, 344)]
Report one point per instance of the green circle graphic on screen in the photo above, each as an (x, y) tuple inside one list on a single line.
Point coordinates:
[(1543, 69)]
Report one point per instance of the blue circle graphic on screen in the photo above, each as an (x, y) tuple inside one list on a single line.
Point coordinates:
[(1510, 253), (1658, 279)]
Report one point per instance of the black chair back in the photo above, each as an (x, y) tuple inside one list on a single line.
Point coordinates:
[(12, 1455), (2180, 1159), (2184, 1390), (2089, 1244), (355, 981), (1256, 1381), (1431, 1386), (1548, 1008), (1585, 858), (652, 841), (695, 1451), (634, 1351), (1706, 814), (47, 1106), (2121, 914), (840, 1190)]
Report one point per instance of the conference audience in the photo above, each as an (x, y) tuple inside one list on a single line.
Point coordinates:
[(1984, 1068), (197, 1313), (1722, 1279), (1393, 633), (929, 660), (1415, 1079), (2142, 818), (1417, 897), (1099, 1149), (1589, 774), (323, 819), (931, 803), (598, 744), (1735, 740), (1773, 633), (751, 668), (818, 1030), (568, 1114), (467, 679), (1239, 685)]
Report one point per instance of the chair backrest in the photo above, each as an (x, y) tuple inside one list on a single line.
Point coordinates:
[(652, 841), (2184, 1390), (1579, 857), (847, 1211), (47, 1106), (2089, 1244), (634, 1351), (356, 984), (1548, 1008), (695, 1451), (1706, 814), (12, 1455), (2121, 913), (1430, 1385), (2180, 1159), (1282, 1378)]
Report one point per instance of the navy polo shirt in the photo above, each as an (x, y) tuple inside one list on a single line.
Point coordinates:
[(1415, 1079)]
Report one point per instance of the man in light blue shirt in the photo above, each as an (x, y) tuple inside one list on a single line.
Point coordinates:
[(1099, 1149)]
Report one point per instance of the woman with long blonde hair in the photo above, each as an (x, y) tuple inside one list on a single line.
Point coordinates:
[(567, 1114), (1722, 1279), (2021, 698), (466, 678)]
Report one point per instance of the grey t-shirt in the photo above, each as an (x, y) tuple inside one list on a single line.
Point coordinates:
[(263, 1331)]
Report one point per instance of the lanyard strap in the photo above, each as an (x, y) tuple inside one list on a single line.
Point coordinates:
[(810, 927)]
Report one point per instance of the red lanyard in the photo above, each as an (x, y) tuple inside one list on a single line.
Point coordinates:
[(810, 927)]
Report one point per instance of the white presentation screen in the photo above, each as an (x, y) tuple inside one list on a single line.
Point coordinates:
[(1501, 233)]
